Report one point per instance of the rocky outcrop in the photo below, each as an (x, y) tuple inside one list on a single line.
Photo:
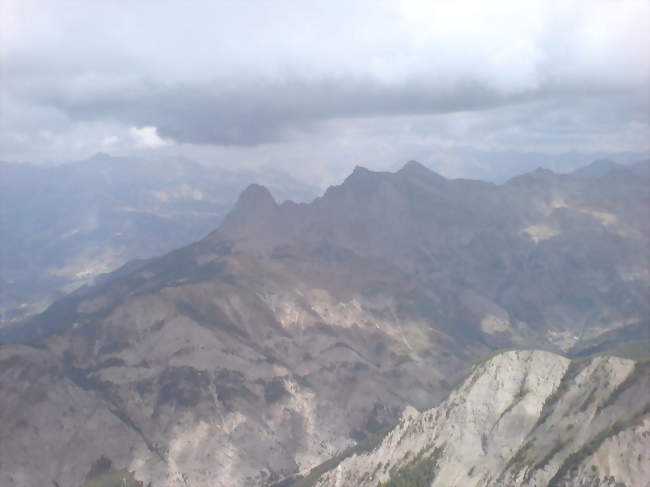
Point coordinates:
[(523, 418)]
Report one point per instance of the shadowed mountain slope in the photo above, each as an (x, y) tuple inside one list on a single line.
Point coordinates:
[(295, 330)]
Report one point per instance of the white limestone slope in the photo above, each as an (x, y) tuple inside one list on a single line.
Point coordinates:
[(523, 418)]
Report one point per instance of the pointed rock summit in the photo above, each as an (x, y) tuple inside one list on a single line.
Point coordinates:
[(256, 196), (360, 180), (254, 214), (359, 173), (538, 176), (414, 169), (412, 166)]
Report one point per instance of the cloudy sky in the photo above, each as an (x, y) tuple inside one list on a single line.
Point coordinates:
[(315, 87)]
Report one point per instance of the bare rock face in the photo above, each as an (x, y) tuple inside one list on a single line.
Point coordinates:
[(51, 427), (295, 331), (523, 418), (238, 377)]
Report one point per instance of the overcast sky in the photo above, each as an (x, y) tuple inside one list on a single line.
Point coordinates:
[(318, 86)]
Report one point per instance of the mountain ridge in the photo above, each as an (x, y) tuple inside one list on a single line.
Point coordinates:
[(252, 340), (525, 415), (87, 218)]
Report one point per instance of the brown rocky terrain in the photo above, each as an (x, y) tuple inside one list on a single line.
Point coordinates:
[(295, 330)]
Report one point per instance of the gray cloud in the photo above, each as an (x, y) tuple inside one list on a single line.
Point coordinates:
[(254, 113), (509, 74)]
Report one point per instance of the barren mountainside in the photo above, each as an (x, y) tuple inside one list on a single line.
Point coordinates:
[(294, 331)]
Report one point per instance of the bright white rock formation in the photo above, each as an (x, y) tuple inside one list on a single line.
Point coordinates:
[(523, 418)]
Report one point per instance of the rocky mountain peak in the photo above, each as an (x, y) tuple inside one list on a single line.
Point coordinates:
[(414, 167), (360, 174), (360, 170), (538, 176), (256, 195), (416, 170), (254, 213), (542, 172), (357, 184)]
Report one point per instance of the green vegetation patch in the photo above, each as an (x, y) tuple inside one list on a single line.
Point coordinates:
[(640, 368), (574, 460), (571, 373), (638, 350), (116, 478), (549, 456), (520, 458), (635, 350), (421, 472)]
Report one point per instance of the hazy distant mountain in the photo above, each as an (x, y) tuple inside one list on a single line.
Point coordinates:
[(596, 169), (500, 165), (295, 330), (64, 225)]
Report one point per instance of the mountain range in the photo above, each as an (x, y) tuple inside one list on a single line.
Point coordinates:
[(64, 225), (298, 330)]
